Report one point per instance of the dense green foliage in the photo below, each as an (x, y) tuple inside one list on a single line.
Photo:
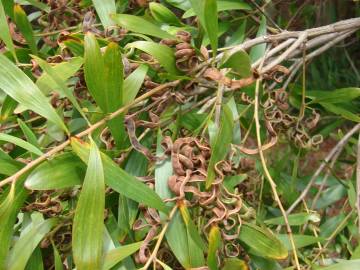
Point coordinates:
[(179, 134)]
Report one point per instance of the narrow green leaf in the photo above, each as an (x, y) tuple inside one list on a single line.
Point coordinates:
[(8, 165), (336, 109), (40, 5), (21, 143), (29, 134), (57, 259), (262, 242), (343, 265), (104, 8), (104, 78), (9, 208), (121, 181), (140, 25), (7, 108), (221, 144), (163, 265), (25, 27), (222, 5), (63, 70), (163, 14), (235, 264), (239, 62), (295, 219), (211, 23), (342, 95), (5, 32), (17, 85), (258, 50), (214, 245), (300, 240), (63, 171), (60, 83), (191, 228), (35, 261), (24, 247), (116, 255), (133, 82), (88, 222), (238, 36), (160, 52)]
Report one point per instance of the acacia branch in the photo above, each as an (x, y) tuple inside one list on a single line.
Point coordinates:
[(60, 147)]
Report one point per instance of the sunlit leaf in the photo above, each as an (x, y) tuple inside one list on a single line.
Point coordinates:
[(14, 198), (211, 23), (65, 170), (140, 25), (163, 14), (223, 5), (258, 50), (160, 52), (21, 143), (116, 255), (214, 245), (262, 242), (5, 32), (121, 181), (221, 144), (25, 27), (17, 85), (133, 82), (104, 8), (24, 247), (88, 226), (239, 62)]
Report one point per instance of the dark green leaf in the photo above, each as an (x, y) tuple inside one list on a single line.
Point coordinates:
[(21, 143), (211, 23)]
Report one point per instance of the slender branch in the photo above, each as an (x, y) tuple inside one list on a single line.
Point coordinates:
[(153, 255), (358, 182), (337, 148), (267, 173), (86, 132)]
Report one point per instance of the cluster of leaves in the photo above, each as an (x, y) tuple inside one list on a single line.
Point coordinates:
[(127, 142)]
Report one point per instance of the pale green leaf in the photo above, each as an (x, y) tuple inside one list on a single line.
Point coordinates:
[(262, 242), (140, 25), (221, 144), (121, 181), (22, 22), (63, 171), (24, 247), (222, 5), (239, 62), (21, 143), (160, 52), (258, 50), (163, 14), (5, 32), (211, 23), (104, 8), (116, 255), (133, 82), (17, 85), (88, 225)]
